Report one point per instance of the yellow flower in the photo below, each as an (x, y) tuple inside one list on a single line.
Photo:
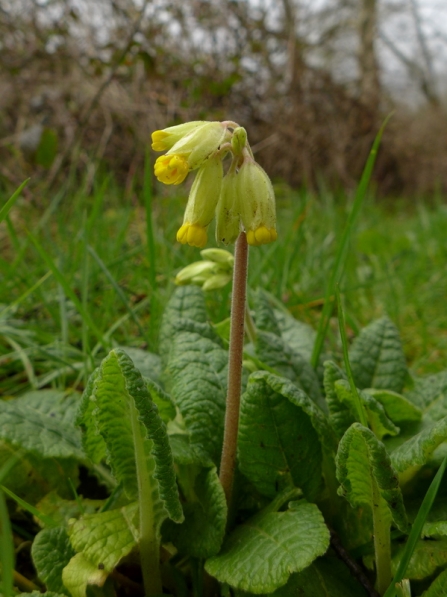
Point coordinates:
[(166, 138), (171, 169), (202, 202), (257, 203)]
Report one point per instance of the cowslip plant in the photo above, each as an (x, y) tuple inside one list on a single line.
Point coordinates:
[(233, 468)]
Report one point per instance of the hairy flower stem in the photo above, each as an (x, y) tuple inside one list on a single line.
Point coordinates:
[(228, 460)]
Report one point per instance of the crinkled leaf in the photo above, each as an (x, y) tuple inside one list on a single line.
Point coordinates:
[(438, 587), (378, 421), (120, 396), (281, 433), (361, 461), (105, 538), (340, 413), (79, 573), (61, 510), (430, 395), (298, 335), (376, 357), (147, 363), (428, 557), (44, 434), (417, 450), (33, 476), (264, 315), (325, 577), (276, 353), (92, 441), (58, 404), (164, 403), (205, 509), (187, 302), (198, 379), (51, 551), (398, 408), (39, 594), (262, 553)]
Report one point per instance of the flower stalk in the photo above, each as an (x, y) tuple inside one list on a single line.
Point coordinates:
[(236, 349)]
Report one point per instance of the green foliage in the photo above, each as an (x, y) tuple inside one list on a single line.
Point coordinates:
[(152, 430), (260, 554)]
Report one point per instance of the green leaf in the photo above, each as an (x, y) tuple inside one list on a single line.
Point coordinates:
[(106, 537), (197, 369), (261, 553), (164, 403), (276, 353), (58, 404), (147, 363), (203, 530), (418, 450), (51, 551), (79, 573), (264, 315), (39, 594), (340, 413), (361, 461), (379, 423), (438, 587), (33, 476), (325, 577), (119, 394), (4, 210), (398, 408), (376, 357), (298, 335), (428, 557), (61, 510), (187, 302), (281, 433), (92, 441), (430, 395), (38, 432)]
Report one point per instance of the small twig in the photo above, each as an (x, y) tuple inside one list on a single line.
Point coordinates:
[(23, 583), (355, 570)]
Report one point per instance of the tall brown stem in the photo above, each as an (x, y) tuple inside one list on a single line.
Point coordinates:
[(228, 460)]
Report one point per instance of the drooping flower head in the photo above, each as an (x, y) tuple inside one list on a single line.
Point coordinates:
[(243, 199)]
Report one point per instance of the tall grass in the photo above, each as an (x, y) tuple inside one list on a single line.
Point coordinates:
[(88, 271)]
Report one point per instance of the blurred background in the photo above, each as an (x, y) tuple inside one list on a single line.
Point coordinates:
[(84, 82)]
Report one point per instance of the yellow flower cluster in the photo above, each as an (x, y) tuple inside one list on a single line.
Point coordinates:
[(242, 199)]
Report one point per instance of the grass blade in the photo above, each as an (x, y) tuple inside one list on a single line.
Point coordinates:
[(5, 209), (344, 341), (6, 549), (47, 520), (147, 195), (67, 289), (117, 289), (416, 529), (340, 258)]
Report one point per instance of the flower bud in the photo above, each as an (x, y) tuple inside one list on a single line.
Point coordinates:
[(218, 256), (200, 143), (166, 138), (191, 272), (257, 203), (216, 281), (239, 140)]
